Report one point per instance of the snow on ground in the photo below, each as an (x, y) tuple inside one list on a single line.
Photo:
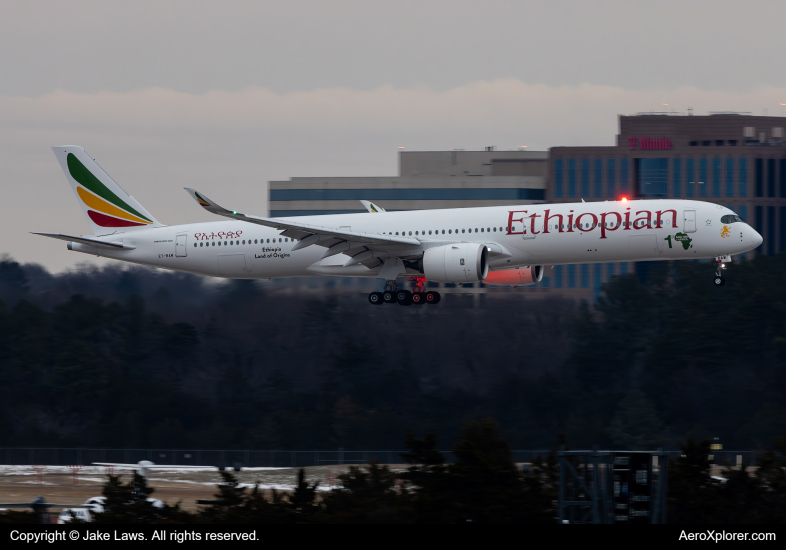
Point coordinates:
[(280, 479)]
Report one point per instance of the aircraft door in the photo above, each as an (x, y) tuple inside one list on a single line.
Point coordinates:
[(180, 245), (689, 221), (528, 234)]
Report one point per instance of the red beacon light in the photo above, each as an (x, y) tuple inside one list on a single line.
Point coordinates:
[(624, 199)]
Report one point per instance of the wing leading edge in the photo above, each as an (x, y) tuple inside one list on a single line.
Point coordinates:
[(369, 249)]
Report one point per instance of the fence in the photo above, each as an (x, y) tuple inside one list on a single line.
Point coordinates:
[(26, 456)]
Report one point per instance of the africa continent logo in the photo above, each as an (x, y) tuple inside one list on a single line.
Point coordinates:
[(683, 239)]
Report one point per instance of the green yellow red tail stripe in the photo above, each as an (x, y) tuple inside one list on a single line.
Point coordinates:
[(112, 211)]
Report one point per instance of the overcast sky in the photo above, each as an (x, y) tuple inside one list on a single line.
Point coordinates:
[(224, 96)]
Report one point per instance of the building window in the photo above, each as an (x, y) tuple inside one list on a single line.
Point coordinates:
[(706, 143), (609, 271), (558, 276), (782, 178), (598, 178), (470, 193), (732, 142), (676, 177), (571, 177), (558, 178), (572, 276), (729, 177), (770, 177), (718, 142), (742, 176), (703, 182), (611, 171), (716, 177), (585, 178), (742, 212), (545, 282), (770, 240), (690, 178), (652, 177), (585, 275), (597, 278), (758, 223), (624, 175), (623, 268), (782, 228), (693, 143), (758, 180)]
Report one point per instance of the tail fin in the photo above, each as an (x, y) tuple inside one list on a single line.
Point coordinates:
[(109, 209)]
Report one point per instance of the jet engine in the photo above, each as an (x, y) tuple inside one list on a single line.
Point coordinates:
[(516, 276), (456, 263)]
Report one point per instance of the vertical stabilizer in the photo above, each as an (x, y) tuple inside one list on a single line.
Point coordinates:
[(109, 209)]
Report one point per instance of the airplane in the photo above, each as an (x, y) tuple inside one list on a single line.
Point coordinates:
[(41, 506), (501, 245), (143, 467)]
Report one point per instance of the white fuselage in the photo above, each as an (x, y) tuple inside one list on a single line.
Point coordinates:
[(536, 234)]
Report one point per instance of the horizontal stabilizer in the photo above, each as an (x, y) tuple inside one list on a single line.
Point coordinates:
[(98, 243)]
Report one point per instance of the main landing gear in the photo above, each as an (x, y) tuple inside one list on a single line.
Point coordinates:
[(392, 294), (719, 279)]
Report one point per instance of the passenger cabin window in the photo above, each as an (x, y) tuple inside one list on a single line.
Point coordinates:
[(730, 218)]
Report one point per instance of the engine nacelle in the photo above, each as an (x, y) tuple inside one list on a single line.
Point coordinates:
[(456, 263), (516, 276)]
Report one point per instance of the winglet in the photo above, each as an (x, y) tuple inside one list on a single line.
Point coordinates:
[(372, 208), (209, 205)]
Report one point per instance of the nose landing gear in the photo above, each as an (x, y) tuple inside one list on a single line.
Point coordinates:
[(719, 279), (392, 294)]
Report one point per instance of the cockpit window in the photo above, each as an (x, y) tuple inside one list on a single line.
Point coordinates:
[(730, 218)]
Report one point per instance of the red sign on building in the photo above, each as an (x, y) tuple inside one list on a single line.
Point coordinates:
[(649, 143)]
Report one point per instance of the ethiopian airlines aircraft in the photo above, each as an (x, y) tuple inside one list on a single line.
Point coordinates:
[(500, 245)]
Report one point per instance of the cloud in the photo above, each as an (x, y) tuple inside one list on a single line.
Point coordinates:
[(155, 141)]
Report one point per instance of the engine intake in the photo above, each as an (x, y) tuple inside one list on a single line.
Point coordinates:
[(516, 276), (456, 263)]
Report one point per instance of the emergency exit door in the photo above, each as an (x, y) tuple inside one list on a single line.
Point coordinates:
[(689, 221), (180, 245)]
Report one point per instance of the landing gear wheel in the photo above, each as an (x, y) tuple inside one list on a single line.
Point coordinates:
[(432, 297), (388, 297), (418, 298), (719, 280), (376, 298), (404, 297)]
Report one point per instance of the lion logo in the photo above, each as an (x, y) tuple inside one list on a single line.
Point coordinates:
[(725, 232)]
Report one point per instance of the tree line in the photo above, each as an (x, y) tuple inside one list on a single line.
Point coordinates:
[(483, 485), (140, 358)]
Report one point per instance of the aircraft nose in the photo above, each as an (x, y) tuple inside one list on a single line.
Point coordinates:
[(756, 239)]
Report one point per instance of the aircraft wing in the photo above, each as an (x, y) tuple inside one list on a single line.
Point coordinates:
[(373, 208), (335, 239)]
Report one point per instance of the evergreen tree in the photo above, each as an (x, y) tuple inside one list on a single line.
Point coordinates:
[(366, 496), (129, 503), (636, 425), (692, 494), (486, 484)]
